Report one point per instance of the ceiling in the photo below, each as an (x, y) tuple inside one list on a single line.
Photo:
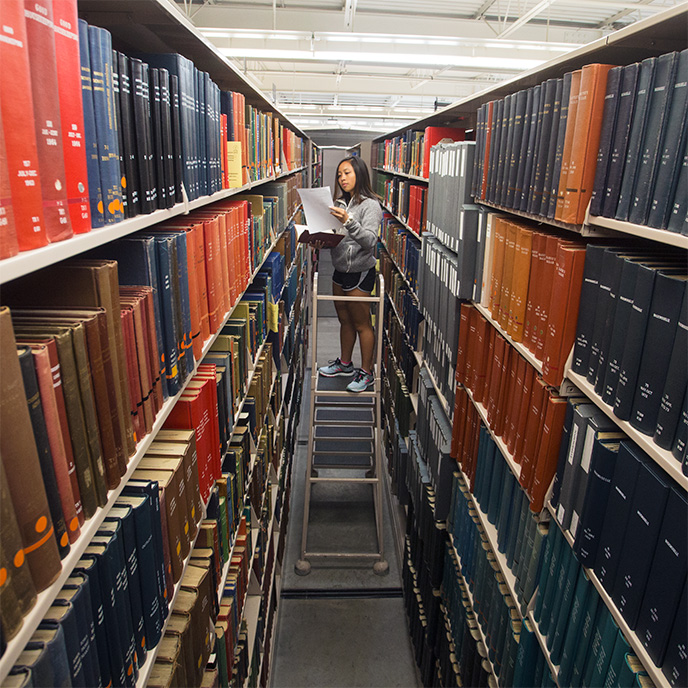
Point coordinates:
[(377, 65)]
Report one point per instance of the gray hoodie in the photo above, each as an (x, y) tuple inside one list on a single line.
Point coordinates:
[(356, 251)]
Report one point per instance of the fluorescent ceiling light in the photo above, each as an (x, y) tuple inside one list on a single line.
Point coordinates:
[(466, 61)]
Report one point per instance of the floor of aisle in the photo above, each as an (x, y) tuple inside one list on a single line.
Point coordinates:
[(341, 625)]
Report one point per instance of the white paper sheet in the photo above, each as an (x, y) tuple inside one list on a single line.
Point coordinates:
[(316, 206)]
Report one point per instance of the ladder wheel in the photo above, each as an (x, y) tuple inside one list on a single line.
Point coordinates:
[(380, 568), (303, 567)]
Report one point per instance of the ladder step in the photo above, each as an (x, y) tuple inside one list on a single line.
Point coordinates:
[(358, 555), (340, 432), (337, 446), (344, 416)]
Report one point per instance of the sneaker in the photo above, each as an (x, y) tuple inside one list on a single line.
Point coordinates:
[(336, 368), (361, 382)]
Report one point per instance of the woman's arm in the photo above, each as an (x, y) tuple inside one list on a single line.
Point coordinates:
[(365, 230)]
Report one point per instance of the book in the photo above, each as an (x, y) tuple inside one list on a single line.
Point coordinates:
[(22, 468), (324, 239), (674, 666)]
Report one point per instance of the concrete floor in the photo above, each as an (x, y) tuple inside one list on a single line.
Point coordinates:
[(341, 625)]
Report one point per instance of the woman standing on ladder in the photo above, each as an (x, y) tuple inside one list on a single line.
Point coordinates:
[(358, 209)]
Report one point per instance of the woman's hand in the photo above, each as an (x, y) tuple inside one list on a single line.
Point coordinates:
[(339, 213)]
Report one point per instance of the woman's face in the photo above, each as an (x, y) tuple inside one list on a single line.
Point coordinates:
[(346, 177)]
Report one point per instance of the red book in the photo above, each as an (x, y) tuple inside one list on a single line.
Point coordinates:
[(133, 378), (47, 119), (483, 390), (529, 327), (434, 135), (60, 446), (8, 231), (16, 109), (548, 452), (516, 401), (500, 346), (483, 332), (66, 23), (469, 378), (211, 235), (193, 412), (505, 375)]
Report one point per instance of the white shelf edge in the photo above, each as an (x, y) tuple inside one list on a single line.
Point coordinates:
[(542, 640), (576, 229), (658, 235), (521, 348), (638, 648), (445, 404), (414, 177), (27, 262), (663, 458)]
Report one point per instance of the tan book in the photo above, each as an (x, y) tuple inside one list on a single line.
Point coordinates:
[(179, 626)]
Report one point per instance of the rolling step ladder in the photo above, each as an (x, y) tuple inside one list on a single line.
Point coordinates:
[(344, 436)]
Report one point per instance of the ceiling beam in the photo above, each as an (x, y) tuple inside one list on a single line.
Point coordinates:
[(525, 18), (483, 9), (624, 13)]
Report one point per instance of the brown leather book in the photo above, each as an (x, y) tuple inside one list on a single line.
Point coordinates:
[(17, 592), (519, 284), (500, 228), (504, 374), (532, 430), (22, 470), (491, 339), (188, 604), (175, 464), (483, 331), (81, 283), (529, 326), (134, 371), (563, 312), (568, 141), (469, 378), (457, 422), (516, 402), (507, 275), (519, 438), (80, 407), (500, 347), (179, 626), (86, 327), (586, 140), (173, 514), (62, 462), (548, 453), (462, 346)]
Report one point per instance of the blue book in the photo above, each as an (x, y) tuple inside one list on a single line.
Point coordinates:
[(526, 657), (63, 613), (100, 48), (583, 607), (95, 195), (49, 638), (640, 540), (574, 578), (78, 597), (666, 578), (675, 667), (626, 471)]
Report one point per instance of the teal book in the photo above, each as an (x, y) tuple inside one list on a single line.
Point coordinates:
[(495, 488), (540, 535), (520, 536), (594, 610), (552, 601), (585, 600), (557, 629), (540, 667), (550, 542), (526, 657), (675, 666), (520, 503), (603, 638), (630, 666), (507, 511), (617, 661)]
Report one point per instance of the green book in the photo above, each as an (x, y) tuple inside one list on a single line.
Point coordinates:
[(540, 666), (520, 503), (585, 600), (518, 550), (600, 667), (510, 652), (526, 551), (617, 661), (630, 666)]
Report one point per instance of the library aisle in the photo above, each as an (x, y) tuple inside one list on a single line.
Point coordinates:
[(341, 625)]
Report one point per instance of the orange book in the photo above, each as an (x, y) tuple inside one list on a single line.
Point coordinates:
[(500, 229), (586, 140), (211, 236), (519, 284), (548, 454), (460, 399), (482, 391), (531, 433), (537, 246), (516, 445), (507, 275), (548, 259), (500, 347), (568, 141), (504, 375), (563, 312), (217, 217)]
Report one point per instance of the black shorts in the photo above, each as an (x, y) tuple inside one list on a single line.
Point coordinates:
[(365, 281)]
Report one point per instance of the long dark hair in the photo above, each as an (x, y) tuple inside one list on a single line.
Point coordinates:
[(363, 188)]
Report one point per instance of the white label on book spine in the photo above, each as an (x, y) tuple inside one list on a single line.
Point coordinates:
[(587, 448)]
